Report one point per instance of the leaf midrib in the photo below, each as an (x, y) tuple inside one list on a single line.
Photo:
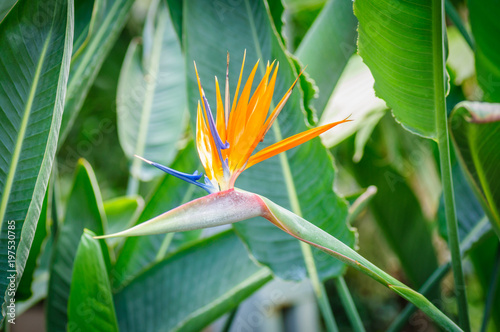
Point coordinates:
[(22, 131), (147, 105)]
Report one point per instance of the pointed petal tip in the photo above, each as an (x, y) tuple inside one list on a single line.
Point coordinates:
[(143, 159)]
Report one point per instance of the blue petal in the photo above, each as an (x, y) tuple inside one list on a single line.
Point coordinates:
[(190, 178), (213, 129), (183, 176)]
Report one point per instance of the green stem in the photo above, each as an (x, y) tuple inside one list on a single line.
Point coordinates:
[(348, 303), (457, 21), (229, 320), (491, 292), (319, 288), (444, 159)]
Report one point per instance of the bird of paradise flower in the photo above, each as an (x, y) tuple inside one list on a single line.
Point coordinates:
[(225, 145)]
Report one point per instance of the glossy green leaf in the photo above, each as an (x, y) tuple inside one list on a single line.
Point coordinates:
[(121, 212), (175, 9), (35, 43), (86, 66), (475, 129), (327, 46), (84, 210), (139, 252), (24, 290), (191, 288), (300, 179), (5, 8), (90, 303), (151, 101), (88, 16), (400, 42), (485, 28)]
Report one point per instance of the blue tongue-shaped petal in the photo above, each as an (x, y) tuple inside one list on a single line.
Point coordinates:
[(191, 178), (215, 134), (213, 129)]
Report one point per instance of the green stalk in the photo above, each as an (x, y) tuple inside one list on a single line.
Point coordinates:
[(491, 292), (348, 303), (229, 320), (319, 288), (444, 159)]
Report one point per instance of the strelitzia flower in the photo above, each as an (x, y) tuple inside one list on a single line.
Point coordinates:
[(225, 144)]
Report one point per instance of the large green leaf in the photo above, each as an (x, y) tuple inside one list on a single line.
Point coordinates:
[(475, 130), (120, 212), (191, 288), (84, 210), (139, 252), (485, 28), (327, 47), (400, 42), (35, 43), (88, 16), (90, 304), (300, 179), (151, 101), (5, 7), (41, 234), (85, 67)]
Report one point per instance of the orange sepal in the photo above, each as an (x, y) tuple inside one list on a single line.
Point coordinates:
[(289, 143)]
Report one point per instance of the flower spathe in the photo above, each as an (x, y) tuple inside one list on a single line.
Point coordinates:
[(225, 144)]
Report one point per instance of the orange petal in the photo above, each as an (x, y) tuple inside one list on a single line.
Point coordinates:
[(279, 107), (221, 121), (237, 118), (289, 143), (199, 87), (253, 129), (239, 81), (203, 147), (226, 95), (259, 92)]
